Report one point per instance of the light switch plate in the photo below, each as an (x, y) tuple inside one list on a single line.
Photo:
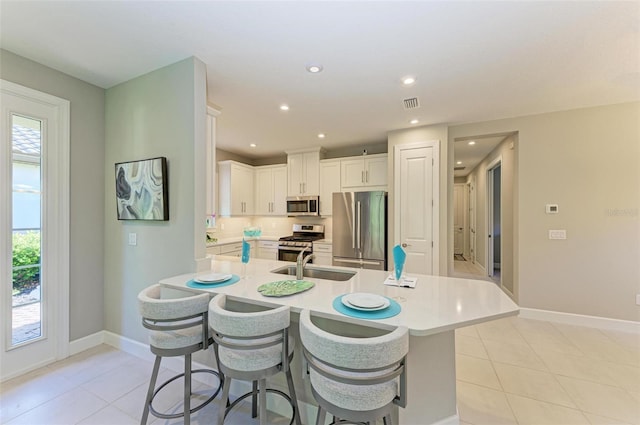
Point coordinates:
[(133, 238), (557, 234)]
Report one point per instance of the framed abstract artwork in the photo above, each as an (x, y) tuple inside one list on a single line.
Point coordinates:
[(142, 191)]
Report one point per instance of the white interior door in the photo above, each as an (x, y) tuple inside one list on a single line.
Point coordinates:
[(472, 221), (34, 217), (416, 205), (458, 218)]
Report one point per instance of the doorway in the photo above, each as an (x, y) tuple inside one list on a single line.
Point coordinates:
[(34, 223), (494, 220)]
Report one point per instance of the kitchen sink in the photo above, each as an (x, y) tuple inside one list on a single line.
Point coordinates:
[(316, 272)]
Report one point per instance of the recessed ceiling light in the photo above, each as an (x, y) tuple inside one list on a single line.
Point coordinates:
[(321, 136), (314, 68), (414, 121), (284, 107), (459, 162), (252, 145), (407, 81), (471, 143)]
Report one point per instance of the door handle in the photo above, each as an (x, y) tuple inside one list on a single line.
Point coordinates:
[(404, 245), (366, 176), (361, 176)]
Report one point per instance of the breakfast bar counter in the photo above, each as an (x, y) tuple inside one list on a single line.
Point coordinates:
[(431, 311)]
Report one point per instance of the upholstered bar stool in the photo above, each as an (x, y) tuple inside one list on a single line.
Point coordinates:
[(252, 346), (179, 327), (355, 379)]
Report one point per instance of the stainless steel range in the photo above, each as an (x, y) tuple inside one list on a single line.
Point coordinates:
[(302, 239)]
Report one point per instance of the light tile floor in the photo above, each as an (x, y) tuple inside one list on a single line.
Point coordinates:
[(509, 371)]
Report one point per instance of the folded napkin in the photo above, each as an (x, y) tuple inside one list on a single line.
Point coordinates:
[(405, 281), (398, 260)]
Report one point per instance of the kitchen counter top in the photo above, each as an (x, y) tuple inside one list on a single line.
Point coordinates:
[(224, 241), (432, 311), (435, 305)]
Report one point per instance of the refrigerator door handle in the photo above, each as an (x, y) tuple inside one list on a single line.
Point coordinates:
[(359, 206), (359, 262), (353, 231)]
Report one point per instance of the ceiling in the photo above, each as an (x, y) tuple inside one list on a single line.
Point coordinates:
[(470, 151), (473, 61)]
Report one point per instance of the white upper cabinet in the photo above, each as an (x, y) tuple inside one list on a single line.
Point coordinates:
[(236, 188), (365, 172), (329, 183), (271, 190), (304, 172)]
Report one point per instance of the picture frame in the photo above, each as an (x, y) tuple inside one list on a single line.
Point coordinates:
[(142, 190)]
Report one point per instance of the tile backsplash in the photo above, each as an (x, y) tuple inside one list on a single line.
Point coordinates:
[(271, 226)]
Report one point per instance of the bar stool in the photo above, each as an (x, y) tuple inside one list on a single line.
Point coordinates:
[(355, 379), (252, 346), (179, 327)]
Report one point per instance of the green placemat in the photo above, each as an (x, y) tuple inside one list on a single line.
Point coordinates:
[(282, 288)]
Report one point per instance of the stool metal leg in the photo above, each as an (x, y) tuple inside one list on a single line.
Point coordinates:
[(152, 386), (262, 395), (224, 400), (187, 389), (320, 418), (294, 398), (254, 400), (387, 420)]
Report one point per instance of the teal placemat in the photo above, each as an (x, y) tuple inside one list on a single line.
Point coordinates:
[(393, 309), (196, 285)]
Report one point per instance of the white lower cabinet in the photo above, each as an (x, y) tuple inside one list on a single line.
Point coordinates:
[(323, 253), (267, 250), (233, 249)]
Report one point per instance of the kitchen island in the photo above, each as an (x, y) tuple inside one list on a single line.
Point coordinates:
[(432, 311)]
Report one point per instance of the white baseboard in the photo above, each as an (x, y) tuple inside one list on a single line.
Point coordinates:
[(581, 320), (450, 420), (78, 345)]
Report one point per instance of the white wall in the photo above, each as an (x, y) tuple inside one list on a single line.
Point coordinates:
[(588, 162), (158, 114), (87, 211)]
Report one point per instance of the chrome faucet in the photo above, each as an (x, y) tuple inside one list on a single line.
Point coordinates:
[(301, 262)]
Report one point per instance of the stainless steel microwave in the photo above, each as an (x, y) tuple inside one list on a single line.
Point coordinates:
[(303, 205)]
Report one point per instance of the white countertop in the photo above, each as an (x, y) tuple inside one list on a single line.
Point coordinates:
[(437, 303), (224, 241)]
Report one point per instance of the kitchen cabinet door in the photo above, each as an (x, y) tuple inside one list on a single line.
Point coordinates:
[(304, 173), (236, 188), (271, 190), (268, 250), (364, 173), (322, 252), (329, 183)]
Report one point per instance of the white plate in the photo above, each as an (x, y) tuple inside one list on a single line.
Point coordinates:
[(364, 301), (382, 307), (212, 278)]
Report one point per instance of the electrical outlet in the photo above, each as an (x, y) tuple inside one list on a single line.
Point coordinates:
[(637, 299), (557, 234), (221, 226), (133, 238)]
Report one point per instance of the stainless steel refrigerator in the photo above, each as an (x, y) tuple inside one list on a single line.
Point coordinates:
[(360, 229)]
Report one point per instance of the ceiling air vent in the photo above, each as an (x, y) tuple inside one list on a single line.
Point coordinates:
[(411, 103), (459, 168)]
